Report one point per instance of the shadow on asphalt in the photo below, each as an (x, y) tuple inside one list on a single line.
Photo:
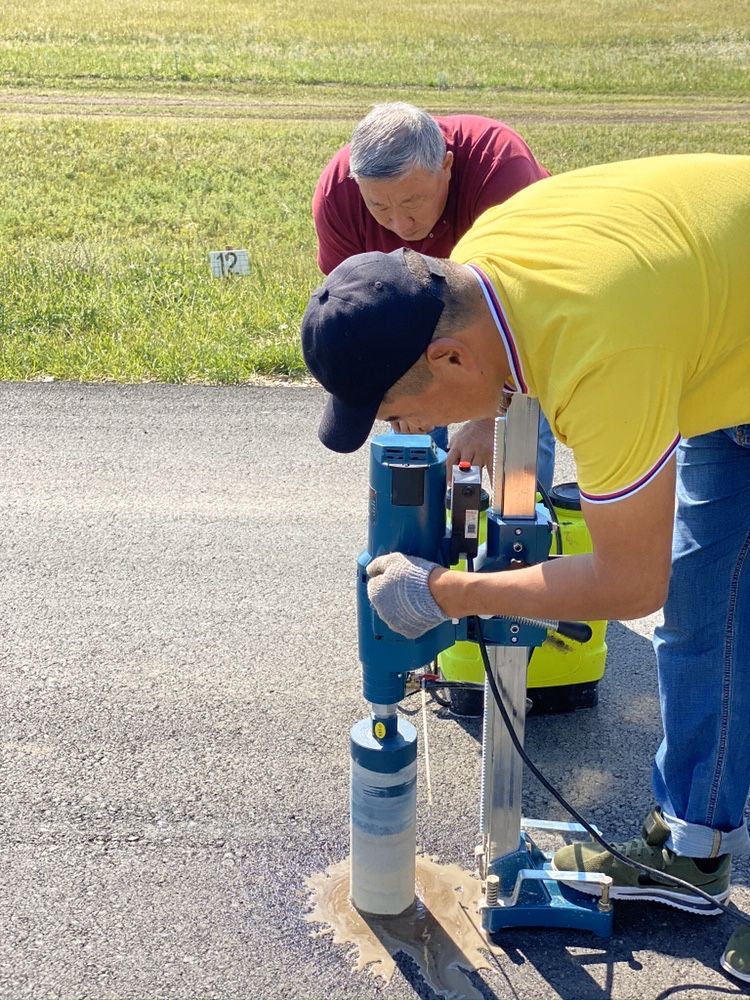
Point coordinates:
[(410, 971), (581, 966)]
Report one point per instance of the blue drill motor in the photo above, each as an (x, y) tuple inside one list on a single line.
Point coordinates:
[(407, 513)]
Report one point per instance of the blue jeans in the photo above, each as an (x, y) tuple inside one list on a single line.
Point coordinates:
[(545, 466), (701, 774)]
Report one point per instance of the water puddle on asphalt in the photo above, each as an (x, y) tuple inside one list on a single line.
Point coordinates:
[(442, 931)]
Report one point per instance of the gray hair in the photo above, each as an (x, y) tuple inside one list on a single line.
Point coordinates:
[(392, 139)]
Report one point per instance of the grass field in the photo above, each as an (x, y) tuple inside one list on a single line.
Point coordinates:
[(624, 46), (136, 138)]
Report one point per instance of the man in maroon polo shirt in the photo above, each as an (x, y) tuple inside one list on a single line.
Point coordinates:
[(407, 179), (375, 195)]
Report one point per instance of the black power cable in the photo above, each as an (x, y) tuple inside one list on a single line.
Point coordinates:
[(547, 501), (652, 872)]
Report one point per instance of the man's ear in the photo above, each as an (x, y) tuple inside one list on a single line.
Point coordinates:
[(446, 352), (448, 160)]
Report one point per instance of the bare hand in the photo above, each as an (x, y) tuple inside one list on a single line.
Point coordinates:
[(404, 427), (474, 443)]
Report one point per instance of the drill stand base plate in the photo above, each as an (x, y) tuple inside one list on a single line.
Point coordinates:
[(531, 897)]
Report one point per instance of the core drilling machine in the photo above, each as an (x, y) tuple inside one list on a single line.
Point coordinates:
[(407, 513)]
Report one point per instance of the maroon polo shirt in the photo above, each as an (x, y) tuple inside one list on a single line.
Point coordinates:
[(490, 163)]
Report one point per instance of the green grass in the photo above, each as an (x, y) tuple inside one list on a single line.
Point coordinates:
[(589, 46), (106, 228), (138, 135)]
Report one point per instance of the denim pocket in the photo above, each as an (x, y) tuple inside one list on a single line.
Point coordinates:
[(740, 435)]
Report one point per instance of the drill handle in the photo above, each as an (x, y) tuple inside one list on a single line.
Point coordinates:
[(577, 631)]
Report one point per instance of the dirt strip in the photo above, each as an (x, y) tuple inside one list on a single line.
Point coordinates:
[(232, 107)]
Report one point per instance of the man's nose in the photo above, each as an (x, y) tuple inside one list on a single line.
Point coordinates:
[(402, 223)]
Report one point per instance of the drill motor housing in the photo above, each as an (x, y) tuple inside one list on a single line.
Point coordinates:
[(407, 514)]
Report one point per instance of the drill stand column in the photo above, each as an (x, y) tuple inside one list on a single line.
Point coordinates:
[(520, 889)]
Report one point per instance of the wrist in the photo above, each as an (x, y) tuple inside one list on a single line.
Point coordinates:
[(450, 590)]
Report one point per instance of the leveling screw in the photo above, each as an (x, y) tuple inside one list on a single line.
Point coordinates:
[(492, 888)]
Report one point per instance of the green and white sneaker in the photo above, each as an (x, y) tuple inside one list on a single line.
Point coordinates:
[(736, 957), (709, 874)]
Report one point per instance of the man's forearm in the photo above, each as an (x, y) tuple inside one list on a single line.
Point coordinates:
[(576, 587)]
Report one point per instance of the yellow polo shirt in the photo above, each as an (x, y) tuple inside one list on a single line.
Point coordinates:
[(622, 294)]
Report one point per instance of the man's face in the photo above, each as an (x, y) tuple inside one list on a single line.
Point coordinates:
[(411, 204), (445, 400)]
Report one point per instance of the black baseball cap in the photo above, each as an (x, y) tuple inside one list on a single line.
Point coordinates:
[(364, 328)]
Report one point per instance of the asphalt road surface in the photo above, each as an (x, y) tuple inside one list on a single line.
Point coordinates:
[(179, 674)]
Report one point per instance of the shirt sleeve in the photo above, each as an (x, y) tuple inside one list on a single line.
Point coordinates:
[(337, 238), (620, 418)]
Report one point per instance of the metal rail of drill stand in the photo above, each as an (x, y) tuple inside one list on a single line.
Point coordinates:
[(520, 888)]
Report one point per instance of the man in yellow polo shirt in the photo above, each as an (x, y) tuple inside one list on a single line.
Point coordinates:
[(618, 296)]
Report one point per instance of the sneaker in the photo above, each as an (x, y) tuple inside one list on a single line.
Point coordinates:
[(736, 957), (709, 874)]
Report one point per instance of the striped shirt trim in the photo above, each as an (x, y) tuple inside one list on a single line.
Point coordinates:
[(628, 491), (496, 310)]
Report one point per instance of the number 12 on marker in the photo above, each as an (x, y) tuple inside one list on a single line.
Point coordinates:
[(227, 262)]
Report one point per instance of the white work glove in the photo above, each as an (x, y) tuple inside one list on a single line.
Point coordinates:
[(399, 592)]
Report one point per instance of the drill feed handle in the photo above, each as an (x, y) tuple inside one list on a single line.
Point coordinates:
[(577, 631)]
